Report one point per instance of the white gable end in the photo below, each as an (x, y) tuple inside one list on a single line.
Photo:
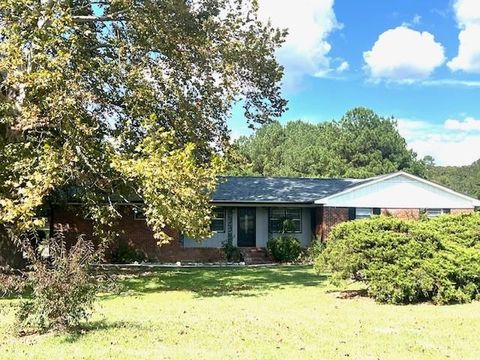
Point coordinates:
[(400, 191)]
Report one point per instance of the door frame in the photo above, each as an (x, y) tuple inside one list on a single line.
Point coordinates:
[(254, 226)]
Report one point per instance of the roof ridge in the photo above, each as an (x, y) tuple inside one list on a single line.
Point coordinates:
[(291, 177)]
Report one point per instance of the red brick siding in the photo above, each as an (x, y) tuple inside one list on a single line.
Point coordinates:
[(137, 234), (331, 216), (402, 213), (462, 211)]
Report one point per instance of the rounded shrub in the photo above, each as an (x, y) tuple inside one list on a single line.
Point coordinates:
[(405, 261), (284, 248)]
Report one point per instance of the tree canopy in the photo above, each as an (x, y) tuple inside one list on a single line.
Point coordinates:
[(361, 144), (125, 97), (465, 179)]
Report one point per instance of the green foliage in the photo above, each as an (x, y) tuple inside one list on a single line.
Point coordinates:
[(284, 248), (313, 251), (361, 144), (122, 98), (405, 261), (464, 179), (63, 291), (232, 253), (124, 253)]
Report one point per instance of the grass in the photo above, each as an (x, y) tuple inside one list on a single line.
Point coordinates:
[(267, 313)]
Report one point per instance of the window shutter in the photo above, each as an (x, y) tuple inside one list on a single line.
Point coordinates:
[(351, 213), (377, 211)]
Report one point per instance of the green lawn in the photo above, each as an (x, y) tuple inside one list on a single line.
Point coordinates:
[(272, 313)]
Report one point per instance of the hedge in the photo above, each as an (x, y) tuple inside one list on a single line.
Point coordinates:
[(407, 261)]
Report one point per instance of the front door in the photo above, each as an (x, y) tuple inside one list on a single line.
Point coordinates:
[(246, 227)]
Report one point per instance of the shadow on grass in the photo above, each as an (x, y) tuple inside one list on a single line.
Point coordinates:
[(349, 294), (94, 326), (210, 282)]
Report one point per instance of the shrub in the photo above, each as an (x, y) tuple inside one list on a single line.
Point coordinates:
[(284, 248), (11, 284), (232, 253), (63, 291), (312, 252), (405, 261), (126, 254)]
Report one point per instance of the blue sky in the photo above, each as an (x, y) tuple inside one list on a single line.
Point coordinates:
[(418, 61)]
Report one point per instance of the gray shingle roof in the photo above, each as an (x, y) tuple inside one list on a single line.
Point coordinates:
[(279, 189)]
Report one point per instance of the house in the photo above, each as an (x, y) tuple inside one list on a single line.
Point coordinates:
[(248, 211)]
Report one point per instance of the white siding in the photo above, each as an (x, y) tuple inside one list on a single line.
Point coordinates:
[(400, 192)]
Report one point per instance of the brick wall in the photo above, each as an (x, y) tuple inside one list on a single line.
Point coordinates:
[(402, 213), (331, 217), (462, 211), (136, 234), (328, 217)]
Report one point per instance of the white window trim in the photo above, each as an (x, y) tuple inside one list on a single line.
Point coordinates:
[(223, 219), (285, 212), (435, 212), (367, 213)]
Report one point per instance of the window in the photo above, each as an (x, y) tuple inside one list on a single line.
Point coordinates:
[(433, 213), (139, 213), (281, 217), (218, 220), (363, 213)]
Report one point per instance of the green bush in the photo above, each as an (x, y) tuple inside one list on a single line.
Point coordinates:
[(284, 248), (124, 253), (63, 291), (405, 261), (232, 253), (312, 252)]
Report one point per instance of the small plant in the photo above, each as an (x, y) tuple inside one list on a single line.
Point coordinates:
[(232, 253), (63, 291), (285, 248)]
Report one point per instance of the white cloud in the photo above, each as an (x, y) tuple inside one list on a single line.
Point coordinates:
[(468, 58), (452, 82), (408, 128), (469, 124), (447, 150), (309, 23), (417, 19), (451, 143), (467, 13), (344, 66), (404, 55)]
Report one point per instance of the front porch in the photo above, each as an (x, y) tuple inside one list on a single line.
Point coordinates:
[(252, 226)]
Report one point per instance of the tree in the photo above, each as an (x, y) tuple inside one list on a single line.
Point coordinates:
[(464, 179), (361, 144), (371, 145), (429, 161), (126, 97)]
